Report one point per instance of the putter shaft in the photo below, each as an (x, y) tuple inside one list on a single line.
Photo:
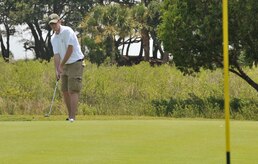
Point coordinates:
[(52, 101)]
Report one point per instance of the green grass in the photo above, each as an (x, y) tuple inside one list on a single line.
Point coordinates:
[(125, 140)]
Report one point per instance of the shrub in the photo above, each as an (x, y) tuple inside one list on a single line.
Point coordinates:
[(27, 88)]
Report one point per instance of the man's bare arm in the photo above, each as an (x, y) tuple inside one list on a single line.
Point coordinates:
[(68, 54)]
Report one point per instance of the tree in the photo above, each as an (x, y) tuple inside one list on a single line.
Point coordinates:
[(5, 8), (146, 18), (34, 13), (140, 17), (121, 24), (107, 26), (153, 22), (192, 31)]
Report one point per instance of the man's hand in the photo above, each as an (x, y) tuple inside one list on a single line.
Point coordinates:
[(57, 65), (61, 68), (58, 73)]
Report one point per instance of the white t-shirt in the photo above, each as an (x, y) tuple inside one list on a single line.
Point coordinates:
[(61, 41)]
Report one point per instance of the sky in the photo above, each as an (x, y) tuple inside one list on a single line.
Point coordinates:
[(16, 43)]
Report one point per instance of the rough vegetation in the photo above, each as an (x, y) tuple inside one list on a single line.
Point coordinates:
[(140, 90)]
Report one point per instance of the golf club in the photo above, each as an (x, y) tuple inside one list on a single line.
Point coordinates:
[(50, 109)]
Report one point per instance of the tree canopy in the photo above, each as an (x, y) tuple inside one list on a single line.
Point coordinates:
[(192, 31), (34, 14)]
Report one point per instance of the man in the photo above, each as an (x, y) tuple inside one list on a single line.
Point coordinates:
[(68, 59)]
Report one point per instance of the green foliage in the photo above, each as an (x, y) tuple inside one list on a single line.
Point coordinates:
[(140, 14), (243, 23), (164, 91), (111, 26), (192, 32), (96, 54), (101, 27), (26, 87), (141, 90)]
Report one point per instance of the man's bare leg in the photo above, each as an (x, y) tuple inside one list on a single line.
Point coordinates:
[(67, 101), (74, 98)]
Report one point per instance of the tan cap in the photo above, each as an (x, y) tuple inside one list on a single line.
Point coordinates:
[(53, 18)]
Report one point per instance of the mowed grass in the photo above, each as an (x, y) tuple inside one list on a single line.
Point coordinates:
[(135, 141)]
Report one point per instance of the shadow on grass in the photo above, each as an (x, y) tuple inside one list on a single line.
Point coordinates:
[(211, 107)]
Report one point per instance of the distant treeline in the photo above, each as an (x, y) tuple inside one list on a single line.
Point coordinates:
[(187, 32)]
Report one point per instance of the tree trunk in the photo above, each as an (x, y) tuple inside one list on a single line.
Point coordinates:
[(40, 48), (146, 2), (165, 57), (244, 76), (7, 55), (101, 2), (123, 47), (3, 49), (128, 47), (155, 49), (47, 50), (141, 50), (146, 43), (36, 39)]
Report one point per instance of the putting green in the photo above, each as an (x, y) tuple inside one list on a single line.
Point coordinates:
[(127, 141)]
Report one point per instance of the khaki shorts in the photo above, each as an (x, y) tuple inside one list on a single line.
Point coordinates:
[(72, 77)]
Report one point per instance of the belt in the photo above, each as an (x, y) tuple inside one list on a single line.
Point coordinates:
[(80, 60)]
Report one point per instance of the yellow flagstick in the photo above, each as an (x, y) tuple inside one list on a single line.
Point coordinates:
[(226, 77)]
